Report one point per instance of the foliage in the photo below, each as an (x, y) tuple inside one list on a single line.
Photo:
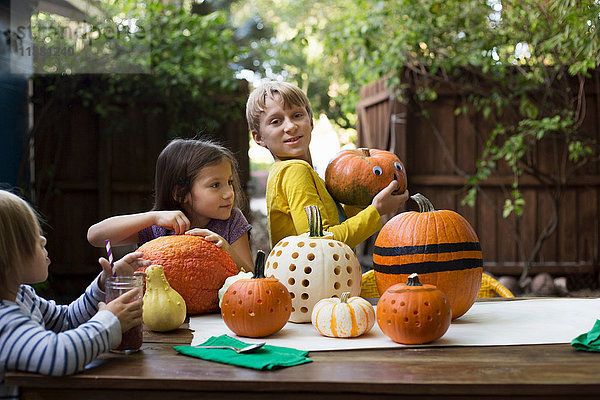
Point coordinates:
[(176, 61), (521, 64)]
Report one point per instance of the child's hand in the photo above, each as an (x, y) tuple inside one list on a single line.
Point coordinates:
[(125, 266), (385, 202), (210, 236), (174, 220), (127, 308)]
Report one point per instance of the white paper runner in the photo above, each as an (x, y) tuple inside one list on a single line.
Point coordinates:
[(493, 323)]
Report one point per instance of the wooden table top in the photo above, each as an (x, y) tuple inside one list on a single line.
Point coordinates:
[(157, 371)]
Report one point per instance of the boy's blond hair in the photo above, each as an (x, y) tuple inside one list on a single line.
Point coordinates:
[(19, 235), (290, 94)]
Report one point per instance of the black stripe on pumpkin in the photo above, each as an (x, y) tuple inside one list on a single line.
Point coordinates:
[(429, 266), (427, 249)]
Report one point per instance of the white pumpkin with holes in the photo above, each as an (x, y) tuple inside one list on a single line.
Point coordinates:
[(343, 317), (313, 266)]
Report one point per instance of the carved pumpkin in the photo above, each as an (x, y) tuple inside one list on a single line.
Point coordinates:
[(313, 267), (343, 317), (195, 268), (354, 177), (413, 313), (258, 306), (440, 246)]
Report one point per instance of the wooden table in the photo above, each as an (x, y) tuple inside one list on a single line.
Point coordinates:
[(158, 372)]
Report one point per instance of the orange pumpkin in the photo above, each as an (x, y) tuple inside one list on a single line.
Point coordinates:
[(195, 268), (258, 306), (354, 177), (413, 313), (440, 246)]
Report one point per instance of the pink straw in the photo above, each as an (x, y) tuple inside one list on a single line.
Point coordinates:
[(110, 256)]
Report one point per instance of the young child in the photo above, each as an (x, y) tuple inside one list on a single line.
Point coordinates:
[(36, 335), (197, 190), (280, 118)]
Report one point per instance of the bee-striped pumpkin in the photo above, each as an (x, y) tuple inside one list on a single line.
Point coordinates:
[(440, 246), (343, 317)]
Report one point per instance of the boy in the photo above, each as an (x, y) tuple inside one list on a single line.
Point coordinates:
[(280, 119)]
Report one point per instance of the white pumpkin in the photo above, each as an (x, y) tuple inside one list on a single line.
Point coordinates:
[(346, 317), (230, 280), (313, 267)]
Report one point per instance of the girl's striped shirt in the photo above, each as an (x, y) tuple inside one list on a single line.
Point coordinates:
[(36, 335)]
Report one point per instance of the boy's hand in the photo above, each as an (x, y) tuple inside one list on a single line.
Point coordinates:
[(385, 202), (125, 266), (174, 220), (127, 308)]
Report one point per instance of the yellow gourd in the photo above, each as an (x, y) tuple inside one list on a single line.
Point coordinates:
[(164, 309)]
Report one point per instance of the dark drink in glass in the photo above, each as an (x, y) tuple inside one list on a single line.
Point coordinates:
[(131, 340)]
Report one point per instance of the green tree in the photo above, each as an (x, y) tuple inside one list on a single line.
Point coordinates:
[(174, 53)]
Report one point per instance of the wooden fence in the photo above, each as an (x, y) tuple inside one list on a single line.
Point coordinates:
[(85, 171), (437, 151)]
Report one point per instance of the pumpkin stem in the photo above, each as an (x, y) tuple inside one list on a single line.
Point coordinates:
[(344, 298), (365, 152), (413, 280), (423, 202), (259, 265), (315, 223)]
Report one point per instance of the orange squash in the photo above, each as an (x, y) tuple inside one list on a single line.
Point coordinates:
[(440, 246), (413, 313), (195, 268), (354, 177), (258, 306)]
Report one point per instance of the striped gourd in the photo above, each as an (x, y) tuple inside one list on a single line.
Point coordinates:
[(343, 317), (439, 245)]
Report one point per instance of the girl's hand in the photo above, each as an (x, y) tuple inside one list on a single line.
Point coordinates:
[(125, 266), (239, 247), (127, 308), (210, 236), (385, 202), (174, 220)]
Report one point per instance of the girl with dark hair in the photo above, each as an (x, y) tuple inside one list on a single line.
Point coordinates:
[(197, 192)]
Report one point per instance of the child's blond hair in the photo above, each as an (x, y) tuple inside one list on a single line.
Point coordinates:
[(19, 235), (290, 94)]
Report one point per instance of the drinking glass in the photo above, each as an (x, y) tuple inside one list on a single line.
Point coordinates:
[(115, 287)]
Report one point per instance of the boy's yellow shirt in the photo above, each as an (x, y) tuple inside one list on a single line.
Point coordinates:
[(292, 185)]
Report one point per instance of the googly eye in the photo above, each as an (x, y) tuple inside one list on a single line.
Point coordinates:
[(377, 171), (398, 166)]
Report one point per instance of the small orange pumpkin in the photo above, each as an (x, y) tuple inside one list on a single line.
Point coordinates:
[(194, 267), (258, 306), (441, 246), (343, 317), (354, 177), (413, 313)]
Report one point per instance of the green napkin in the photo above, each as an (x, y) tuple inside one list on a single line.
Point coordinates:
[(267, 357), (589, 341)]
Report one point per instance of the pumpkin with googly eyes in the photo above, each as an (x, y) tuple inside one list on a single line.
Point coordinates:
[(354, 177)]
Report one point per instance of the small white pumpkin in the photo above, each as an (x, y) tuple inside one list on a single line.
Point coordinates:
[(346, 317), (230, 280), (313, 266)]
